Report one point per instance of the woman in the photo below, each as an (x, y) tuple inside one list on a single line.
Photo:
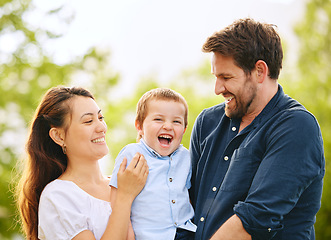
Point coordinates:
[(62, 193)]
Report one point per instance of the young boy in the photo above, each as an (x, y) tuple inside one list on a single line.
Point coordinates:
[(162, 210)]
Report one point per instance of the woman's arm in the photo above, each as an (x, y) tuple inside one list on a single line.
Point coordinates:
[(113, 194), (130, 183)]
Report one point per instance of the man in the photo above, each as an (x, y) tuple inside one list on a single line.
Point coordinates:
[(258, 160)]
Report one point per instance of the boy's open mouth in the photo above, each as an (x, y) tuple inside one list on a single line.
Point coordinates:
[(165, 139)]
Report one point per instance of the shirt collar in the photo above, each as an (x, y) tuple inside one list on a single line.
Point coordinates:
[(155, 153), (267, 110), (271, 104)]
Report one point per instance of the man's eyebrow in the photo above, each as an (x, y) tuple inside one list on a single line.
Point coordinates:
[(85, 114), (222, 74)]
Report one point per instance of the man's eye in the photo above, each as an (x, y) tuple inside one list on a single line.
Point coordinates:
[(89, 121)]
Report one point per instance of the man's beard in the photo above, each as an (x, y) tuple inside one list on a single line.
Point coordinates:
[(241, 107)]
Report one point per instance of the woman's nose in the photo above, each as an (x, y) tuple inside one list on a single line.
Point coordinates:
[(102, 126)]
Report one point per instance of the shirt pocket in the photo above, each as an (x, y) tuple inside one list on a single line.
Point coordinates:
[(242, 168)]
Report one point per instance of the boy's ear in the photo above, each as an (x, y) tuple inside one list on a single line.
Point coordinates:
[(57, 134), (139, 128)]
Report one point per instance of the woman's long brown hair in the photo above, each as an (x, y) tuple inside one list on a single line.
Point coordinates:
[(45, 160)]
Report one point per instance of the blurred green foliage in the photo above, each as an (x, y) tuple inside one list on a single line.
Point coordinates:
[(28, 70), (312, 87)]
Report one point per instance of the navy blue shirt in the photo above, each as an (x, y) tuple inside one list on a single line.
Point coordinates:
[(270, 174)]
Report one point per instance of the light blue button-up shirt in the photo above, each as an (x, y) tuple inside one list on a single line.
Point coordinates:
[(163, 205)]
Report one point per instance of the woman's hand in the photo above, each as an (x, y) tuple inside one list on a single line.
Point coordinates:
[(131, 180)]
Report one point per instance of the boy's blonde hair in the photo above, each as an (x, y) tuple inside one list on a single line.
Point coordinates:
[(158, 94)]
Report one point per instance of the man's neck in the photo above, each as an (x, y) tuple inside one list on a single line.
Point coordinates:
[(266, 93)]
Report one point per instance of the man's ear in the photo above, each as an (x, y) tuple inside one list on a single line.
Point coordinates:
[(57, 134), (261, 70)]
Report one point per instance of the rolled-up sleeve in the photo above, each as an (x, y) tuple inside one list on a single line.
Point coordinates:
[(293, 160)]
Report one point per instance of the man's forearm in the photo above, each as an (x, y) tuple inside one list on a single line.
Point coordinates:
[(232, 229)]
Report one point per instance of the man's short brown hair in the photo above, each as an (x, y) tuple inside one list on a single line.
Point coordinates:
[(248, 41)]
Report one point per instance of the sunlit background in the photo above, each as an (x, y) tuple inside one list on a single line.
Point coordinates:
[(119, 49), (154, 38)]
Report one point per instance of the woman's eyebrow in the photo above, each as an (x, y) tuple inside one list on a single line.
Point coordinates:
[(89, 114)]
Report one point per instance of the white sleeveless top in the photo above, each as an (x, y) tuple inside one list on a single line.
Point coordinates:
[(66, 210)]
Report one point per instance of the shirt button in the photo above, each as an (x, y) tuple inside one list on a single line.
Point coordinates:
[(269, 229), (173, 201), (214, 189), (202, 219), (226, 158), (170, 179), (234, 129)]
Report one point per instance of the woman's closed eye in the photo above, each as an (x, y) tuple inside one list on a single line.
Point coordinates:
[(88, 121)]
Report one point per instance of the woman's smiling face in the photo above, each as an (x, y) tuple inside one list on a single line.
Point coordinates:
[(85, 136)]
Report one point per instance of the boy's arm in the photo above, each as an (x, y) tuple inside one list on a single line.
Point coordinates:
[(113, 193)]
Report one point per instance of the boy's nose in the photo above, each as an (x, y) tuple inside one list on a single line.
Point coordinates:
[(167, 125)]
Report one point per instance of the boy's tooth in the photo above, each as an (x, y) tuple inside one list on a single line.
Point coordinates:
[(165, 136)]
